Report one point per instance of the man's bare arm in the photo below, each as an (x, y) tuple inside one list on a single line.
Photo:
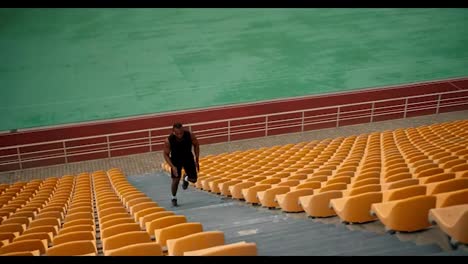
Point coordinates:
[(196, 149), (167, 150)]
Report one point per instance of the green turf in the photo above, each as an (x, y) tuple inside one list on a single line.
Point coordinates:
[(71, 65)]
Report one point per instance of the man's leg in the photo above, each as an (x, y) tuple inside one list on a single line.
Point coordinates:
[(191, 172), (175, 184)]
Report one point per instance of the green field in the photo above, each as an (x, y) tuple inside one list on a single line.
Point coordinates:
[(72, 65)]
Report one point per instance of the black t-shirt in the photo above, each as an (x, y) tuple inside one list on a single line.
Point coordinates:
[(181, 150)]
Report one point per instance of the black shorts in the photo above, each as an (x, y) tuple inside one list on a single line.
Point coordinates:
[(189, 168)]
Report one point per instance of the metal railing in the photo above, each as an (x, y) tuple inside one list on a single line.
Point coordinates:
[(104, 146)]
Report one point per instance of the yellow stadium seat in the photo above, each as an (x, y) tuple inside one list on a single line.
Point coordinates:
[(452, 220), (127, 238), (139, 249), (74, 236), (175, 231), (164, 222), (408, 214), (356, 208), (25, 245), (236, 249), (74, 248), (201, 240)]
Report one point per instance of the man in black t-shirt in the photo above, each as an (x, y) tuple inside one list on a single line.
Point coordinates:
[(178, 154)]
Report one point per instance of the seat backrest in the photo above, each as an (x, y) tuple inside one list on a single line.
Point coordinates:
[(363, 189), (396, 171), (110, 211), (25, 245), (80, 203), (76, 228), (399, 176), (429, 172), (235, 249), (80, 209), (73, 236), (73, 248), (322, 173), (333, 187), (124, 189), (24, 253), (132, 196), (41, 229), (110, 204), (119, 228), (289, 183), (111, 223), (83, 195), (346, 169), (310, 184), (448, 186), (147, 211), (177, 247), (113, 216), (53, 209), (453, 163), (138, 200), (416, 201), (8, 236), (106, 196), (18, 220), (140, 249), (374, 167), (404, 192), (40, 235), (141, 206), (78, 222), (317, 178), (367, 175), (270, 181), (452, 198), (438, 177), (78, 216), (365, 182), (400, 184), (424, 167), (459, 167), (176, 231), (128, 238), (342, 179), (148, 218), (57, 214), (164, 222), (13, 227)]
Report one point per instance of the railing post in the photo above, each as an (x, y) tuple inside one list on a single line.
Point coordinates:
[(302, 124), (65, 151), (19, 158), (406, 107), (108, 147), (149, 138), (266, 126), (372, 112), (438, 103), (229, 130), (338, 117)]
